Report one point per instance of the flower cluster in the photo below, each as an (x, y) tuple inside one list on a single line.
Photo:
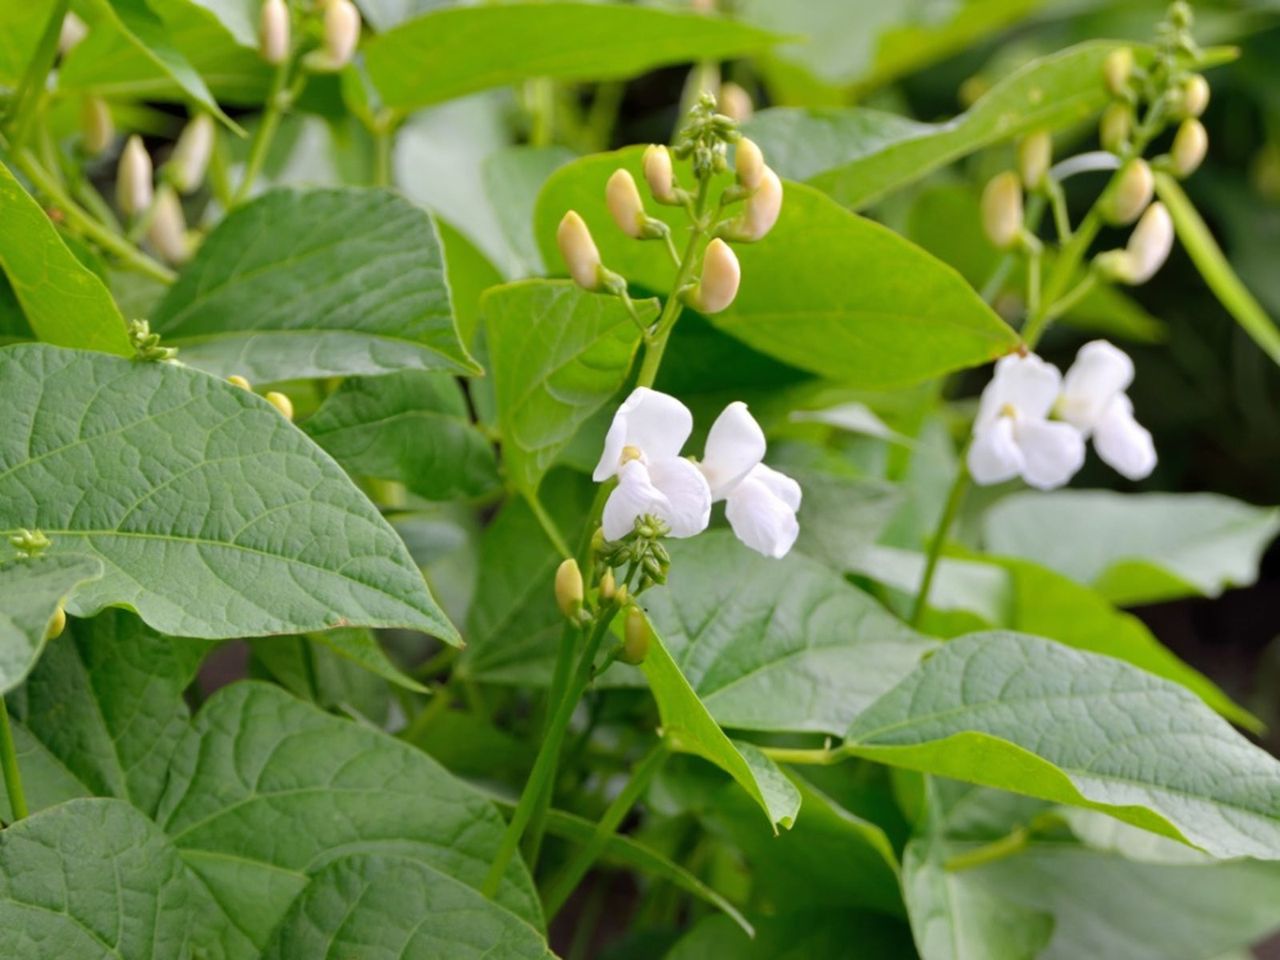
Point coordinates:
[(1014, 436), (642, 450)]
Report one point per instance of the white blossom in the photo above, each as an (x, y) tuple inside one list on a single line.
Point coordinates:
[(1093, 400)]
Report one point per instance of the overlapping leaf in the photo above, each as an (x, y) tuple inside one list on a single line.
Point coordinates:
[(31, 589)]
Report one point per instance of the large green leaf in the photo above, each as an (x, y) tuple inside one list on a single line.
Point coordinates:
[(558, 354), (31, 590), (213, 516), (64, 301), (449, 52), (21, 25), (258, 764), (1025, 714), (1136, 548), (313, 283), (907, 318)]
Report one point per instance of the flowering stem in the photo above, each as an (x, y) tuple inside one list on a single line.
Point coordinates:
[(9, 762), (555, 694), (954, 499)]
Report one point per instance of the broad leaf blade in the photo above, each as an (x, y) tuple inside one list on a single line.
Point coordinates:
[(31, 589)]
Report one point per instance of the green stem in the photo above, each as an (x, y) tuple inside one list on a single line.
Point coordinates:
[(555, 693), (542, 105), (802, 757), (568, 879), (1061, 219), (1006, 846), (544, 766), (9, 762), (383, 141), (548, 524), (441, 699), (31, 89), (262, 137), (954, 499)]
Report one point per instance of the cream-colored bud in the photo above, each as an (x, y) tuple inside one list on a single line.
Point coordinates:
[(659, 174), (1134, 187), (608, 585), (625, 206), (73, 31), (57, 624), (168, 228), (579, 251), (636, 637), (748, 160), (1116, 127), (1117, 69), (238, 381), (569, 588), (720, 278), (735, 103), (1002, 209), (341, 31), (273, 31), (1035, 153), (191, 155), (281, 403), (1194, 96), (1190, 144), (1150, 243), (760, 212), (97, 129), (133, 178)]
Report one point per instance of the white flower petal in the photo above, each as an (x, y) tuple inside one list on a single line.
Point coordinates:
[(1028, 383), (780, 485), (994, 457), (687, 509), (734, 445), (634, 496), (1100, 373), (1123, 443), (656, 423), (761, 520), (1052, 452)]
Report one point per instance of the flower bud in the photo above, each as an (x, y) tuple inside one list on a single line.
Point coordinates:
[(72, 32), (238, 381), (1190, 144), (621, 595), (625, 205), (341, 31), (579, 251), (748, 159), (760, 212), (1117, 69), (281, 403), (720, 277), (273, 31), (97, 129), (735, 103), (636, 636), (608, 586), (59, 623), (1116, 127), (168, 228), (569, 588), (1194, 96), (1130, 194), (1150, 243), (1002, 209), (133, 178), (1034, 155), (659, 175), (191, 155)]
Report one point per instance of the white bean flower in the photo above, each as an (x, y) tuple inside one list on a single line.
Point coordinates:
[(760, 502), (642, 449), (1093, 400), (1013, 436)]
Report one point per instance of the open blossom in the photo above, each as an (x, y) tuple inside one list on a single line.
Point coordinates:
[(1093, 400), (1013, 436)]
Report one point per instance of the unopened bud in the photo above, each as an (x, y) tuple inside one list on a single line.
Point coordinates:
[(1117, 69), (1194, 96), (56, 625), (1116, 127), (636, 636), (748, 160), (625, 205), (569, 588), (97, 129), (608, 586), (133, 178), (281, 403), (621, 595), (1148, 248), (341, 31), (720, 278), (238, 381), (191, 155), (273, 31), (72, 32), (760, 212), (1131, 193), (1190, 144), (1181, 16), (735, 103), (1034, 155), (579, 251), (659, 175), (168, 228), (1002, 209)]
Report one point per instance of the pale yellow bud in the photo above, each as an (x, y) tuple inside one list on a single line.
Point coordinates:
[(281, 403), (720, 278), (1117, 69), (579, 251), (1002, 209), (1130, 194), (133, 178), (1195, 96), (341, 31), (608, 586), (1035, 153), (191, 155), (625, 205), (1116, 127), (1190, 144), (168, 228), (57, 624), (735, 103), (273, 31), (636, 637), (72, 32), (97, 129), (760, 212), (748, 160), (238, 381), (658, 173), (569, 588)]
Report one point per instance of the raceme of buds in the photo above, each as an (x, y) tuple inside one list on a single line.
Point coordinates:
[(1148, 248), (1194, 96), (1093, 400), (1117, 69), (281, 403), (1002, 209), (579, 251), (273, 31), (133, 178), (1190, 145), (625, 205), (341, 31), (718, 284), (658, 173), (168, 228), (191, 155), (636, 636), (759, 213), (569, 588), (735, 103), (1035, 152), (748, 161), (1130, 194), (1116, 127), (96, 126)]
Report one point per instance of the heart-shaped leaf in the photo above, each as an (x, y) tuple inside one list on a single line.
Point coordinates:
[(31, 589)]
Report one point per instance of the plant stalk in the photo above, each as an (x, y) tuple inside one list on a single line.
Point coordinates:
[(958, 488), (31, 88), (9, 762), (268, 124)]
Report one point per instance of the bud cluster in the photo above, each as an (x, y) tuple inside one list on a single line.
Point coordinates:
[(339, 29), (146, 345)]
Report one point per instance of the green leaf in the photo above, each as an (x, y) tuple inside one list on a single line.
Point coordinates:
[(315, 283), (1136, 548), (802, 935), (1213, 266), (470, 274), (1025, 714), (558, 355), (412, 427), (258, 763), (512, 179), (313, 672), (450, 52), (64, 301), (349, 646), (21, 25), (213, 516), (31, 591), (387, 908), (840, 517)]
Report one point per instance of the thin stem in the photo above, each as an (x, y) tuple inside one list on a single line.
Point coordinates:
[(954, 499), (555, 693), (587, 922), (672, 252), (571, 875), (1061, 218), (542, 106), (1013, 842), (9, 762), (436, 664), (383, 141), (800, 756), (1064, 268), (31, 89), (1071, 297), (268, 123), (441, 699), (548, 524), (1034, 260)]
